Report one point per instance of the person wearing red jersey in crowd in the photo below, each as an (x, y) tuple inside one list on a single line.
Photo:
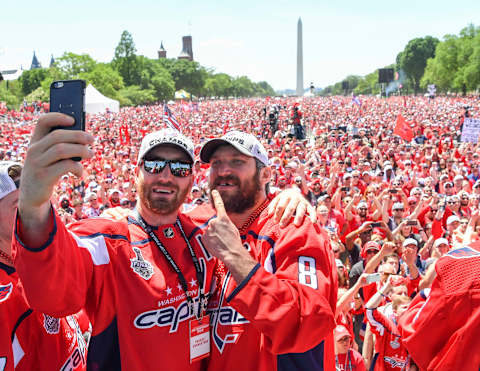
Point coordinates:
[(392, 355), (142, 280), (29, 339), (280, 284), (357, 182), (113, 198), (441, 326), (361, 216), (346, 358)]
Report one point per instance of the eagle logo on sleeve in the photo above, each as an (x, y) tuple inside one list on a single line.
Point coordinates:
[(5, 291)]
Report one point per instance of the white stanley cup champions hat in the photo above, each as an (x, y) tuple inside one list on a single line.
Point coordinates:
[(246, 143), (166, 136), (7, 185)]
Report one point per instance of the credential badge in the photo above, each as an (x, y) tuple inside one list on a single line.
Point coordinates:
[(51, 324), (140, 266), (168, 232)]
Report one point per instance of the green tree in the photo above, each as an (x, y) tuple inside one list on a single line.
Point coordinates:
[(441, 69), (455, 65), (218, 85), (11, 95), (156, 77), (105, 79), (368, 85), (413, 59), (71, 65), (264, 89), (125, 60), (134, 95), (243, 87), (188, 75), (472, 69), (32, 79)]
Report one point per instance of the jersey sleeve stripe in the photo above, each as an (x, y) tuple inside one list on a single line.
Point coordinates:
[(96, 246), (17, 350), (19, 322), (243, 283), (269, 265), (379, 327), (50, 236), (199, 228)]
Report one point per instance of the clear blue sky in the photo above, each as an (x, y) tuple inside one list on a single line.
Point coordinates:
[(252, 38)]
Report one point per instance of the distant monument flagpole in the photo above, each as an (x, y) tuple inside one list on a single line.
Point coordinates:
[(300, 90)]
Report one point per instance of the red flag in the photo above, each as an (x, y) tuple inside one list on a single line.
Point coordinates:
[(403, 129)]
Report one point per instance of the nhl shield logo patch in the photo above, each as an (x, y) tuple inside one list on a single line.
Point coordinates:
[(51, 324), (168, 232), (140, 266), (5, 291)]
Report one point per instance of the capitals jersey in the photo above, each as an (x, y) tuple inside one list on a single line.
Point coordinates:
[(392, 355), (441, 329), (281, 317), (128, 288), (30, 340)]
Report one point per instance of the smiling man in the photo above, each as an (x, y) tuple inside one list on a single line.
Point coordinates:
[(142, 279), (275, 300)]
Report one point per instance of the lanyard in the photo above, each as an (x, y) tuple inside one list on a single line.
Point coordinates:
[(346, 366), (202, 298)]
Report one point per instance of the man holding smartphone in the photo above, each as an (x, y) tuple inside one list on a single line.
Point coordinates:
[(143, 280)]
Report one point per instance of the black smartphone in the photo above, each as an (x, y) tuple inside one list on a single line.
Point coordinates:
[(345, 189), (68, 97), (376, 225), (393, 191)]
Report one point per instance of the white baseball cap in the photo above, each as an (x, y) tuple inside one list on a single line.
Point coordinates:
[(410, 241), (7, 185), (440, 241), (244, 142), (452, 219), (165, 136)]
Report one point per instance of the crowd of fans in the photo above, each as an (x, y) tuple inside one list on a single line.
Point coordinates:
[(391, 207)]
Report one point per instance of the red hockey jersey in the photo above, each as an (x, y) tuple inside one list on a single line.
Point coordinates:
[(282, 315), (392, 354), (128, 288), (30, 340), (442, 332)]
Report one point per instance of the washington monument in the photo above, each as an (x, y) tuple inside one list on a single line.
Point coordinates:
[(299, 90)]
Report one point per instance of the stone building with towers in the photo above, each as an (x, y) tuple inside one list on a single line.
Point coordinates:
[(186, 53), (162, 53), (35, 62)]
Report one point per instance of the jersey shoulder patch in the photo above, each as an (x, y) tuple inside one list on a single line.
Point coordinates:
[(5, 291), (463, 253)]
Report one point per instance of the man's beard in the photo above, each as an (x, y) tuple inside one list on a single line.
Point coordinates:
[(244, 197), (161, 206)]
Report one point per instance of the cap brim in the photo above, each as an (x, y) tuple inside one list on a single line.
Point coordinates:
[(211, 146)]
